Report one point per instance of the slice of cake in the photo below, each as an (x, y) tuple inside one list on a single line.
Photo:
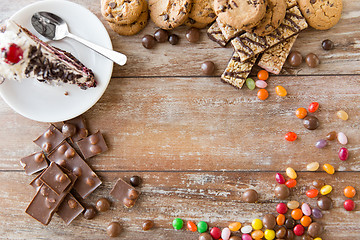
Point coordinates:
[(23, 55)]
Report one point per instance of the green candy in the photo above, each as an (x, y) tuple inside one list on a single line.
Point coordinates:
[(178, 223), (250, 83), (202, 227)]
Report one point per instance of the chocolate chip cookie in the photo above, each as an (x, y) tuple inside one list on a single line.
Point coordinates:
[(202, 11), (121, 11), (321, 14), (192, 23), (169, 14), (240, 14), (275, 14)]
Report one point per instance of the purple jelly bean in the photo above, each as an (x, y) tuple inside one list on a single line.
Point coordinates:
[(280, 178), (321, 143), (343, 154), (316, 213), (246, 237)]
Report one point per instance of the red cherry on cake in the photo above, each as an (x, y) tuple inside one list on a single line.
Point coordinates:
[(13, 54)]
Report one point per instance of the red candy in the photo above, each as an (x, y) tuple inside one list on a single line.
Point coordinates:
[(299, 230), (290, 136), (280, 178), (13, 54), (313, 107), (291, 183), (343, 154), (215, 233), (281, 208), (312, 193), (349, 205)]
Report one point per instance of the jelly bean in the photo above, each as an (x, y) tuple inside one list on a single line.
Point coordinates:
[(261, 84), (280, 219), (250, 83), (215, 232), (316, 213), (313, 107), (257, 234), (257, 224), (349, 205), (202, 227), (263, 75), (290, 172), (269, 234), (296, 214), (342, 139), (225, 234), (246, 237), (281, 91), (191, 226), (313, 166), (235, 226), (246, 229), (312, 193), (321, 143), (349, 192), (291, 183), (326, 189), (299, 230), (331, 136), (317, 238), (262, 94), (290, 136), (305, 221), (280, 178), (329, 168), (305, 208), (178, 223), (293, 204), (301, 113), (343, 154), (342, 115), (281, 208)]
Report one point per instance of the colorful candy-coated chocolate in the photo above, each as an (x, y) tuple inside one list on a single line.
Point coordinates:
[(246, 237), (291, 183), (269, 234), (349, 205), (262, 94), (290, 136), (312, 193), (342, 139), (280, 91), (296, 214), (317, 238), (349, 192), (215, 233), (316, 213), (342, 115), (202, 227), (235, 226), (301, 113), (305, 221), (321, 143), (299, 230), (191, 226), (329, 168), (280, 219), (263, 75), (326, 189), (293, 204), (257, 224), (305, 208), (261, 84), (313, 107), (225, 234), (257, 234), (313, 166), (290, 172), (281, 208), (280, 178), (178, 223), (250, 83), (246, 229), (343, 154)]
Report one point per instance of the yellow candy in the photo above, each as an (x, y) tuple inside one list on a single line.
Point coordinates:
[(313, 166), (317, 238), (257, 224), (269, 234), (329, 169), (235, 226), (257, 234), (281, 91), (326, 189), (290, 172), (342, 115)]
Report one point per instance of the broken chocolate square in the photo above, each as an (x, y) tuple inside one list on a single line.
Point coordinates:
[(55, 178), (125, 193), (92, 145), (34, 163), (69, 209), (80, 129), (50, 139)]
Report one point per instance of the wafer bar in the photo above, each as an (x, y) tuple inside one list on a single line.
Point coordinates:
[(290, 3), (215, 34), (228, 31), (274, 58), (248, 45), (236, 71)]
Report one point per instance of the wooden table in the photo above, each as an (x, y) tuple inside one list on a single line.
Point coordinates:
[(198, 143)]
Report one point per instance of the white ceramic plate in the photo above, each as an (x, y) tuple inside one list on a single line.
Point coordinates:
[(45, 103)]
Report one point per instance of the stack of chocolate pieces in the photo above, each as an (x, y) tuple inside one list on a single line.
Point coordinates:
[(68, 175)]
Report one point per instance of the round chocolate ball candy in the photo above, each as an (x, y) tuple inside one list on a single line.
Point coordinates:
[(281, 232), (173, 39), (148, 41), (90, 212), (135, 181), (161, 35), (205, 236), (147, 225), (208, 67), (311, 122), (315, 229), (290, 223), (193, 35), (282, 192), (312, 60), (68, 130), (306, 237), (295, 58), (102, 205), (290, 234), (327, 44), (250, 196), (269, 221), (324, 203), (114, 229)]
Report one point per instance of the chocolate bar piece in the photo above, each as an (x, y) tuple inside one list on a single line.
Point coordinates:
[(248, 45), (67, 157), (125, 193), (92, 145), (36, 182), (236, 71), (34, 163), (69, 209), (55, 178), (80, 128), (228, 31), (50, 139), (215, 34), (274, 58)]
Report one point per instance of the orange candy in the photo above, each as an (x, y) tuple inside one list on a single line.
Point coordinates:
[(290, 183), (235, 226), (263, 75), (301, 113), (191, 226), (262, 94), (349, 192), (257, 234), (280, 219), (305, 221), (281, 91), (312, 193), (296, 214)]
